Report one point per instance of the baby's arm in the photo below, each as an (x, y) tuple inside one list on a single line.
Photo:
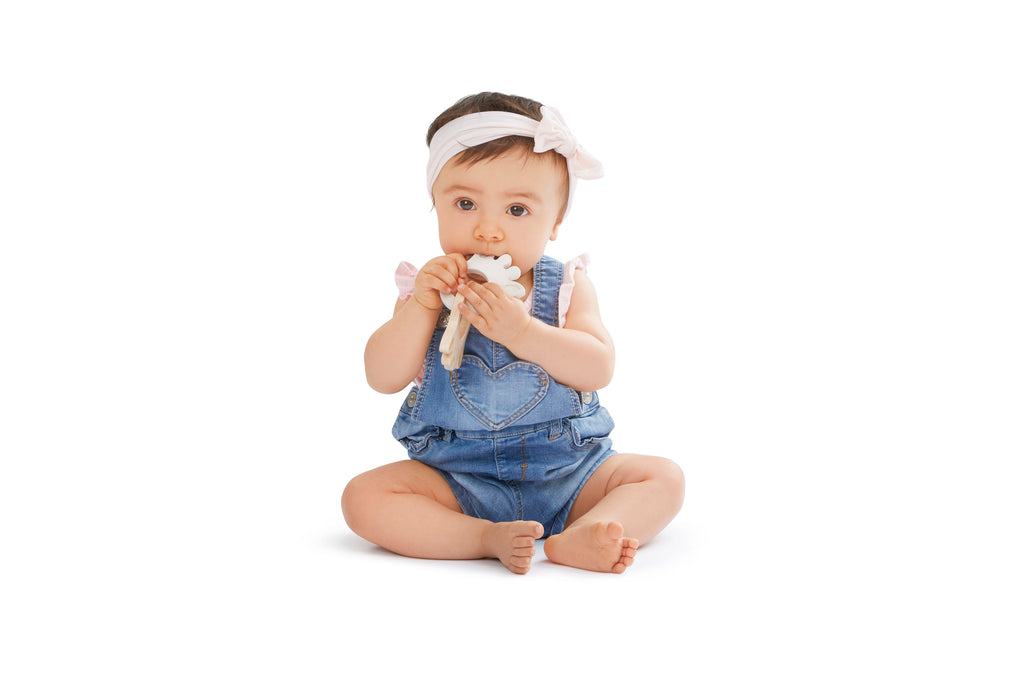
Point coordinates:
[(394, 354), (580, 355)]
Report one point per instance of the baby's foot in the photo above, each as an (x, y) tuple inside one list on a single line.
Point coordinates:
[(513, 543), (598, 546)]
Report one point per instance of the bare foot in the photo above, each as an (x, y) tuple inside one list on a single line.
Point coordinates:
[(598, 546), (513, 543)]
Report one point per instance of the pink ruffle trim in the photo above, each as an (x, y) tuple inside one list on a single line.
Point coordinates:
[(569, 283), (405, 278)]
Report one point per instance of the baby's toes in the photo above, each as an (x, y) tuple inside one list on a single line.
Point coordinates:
[(523, 542), (526, 553), (520, 564), (625, 561)]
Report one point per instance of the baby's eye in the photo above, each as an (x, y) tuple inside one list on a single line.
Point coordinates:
[(518, 210), (466, 204)]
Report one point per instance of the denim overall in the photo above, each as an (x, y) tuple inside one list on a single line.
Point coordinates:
[(510, 441)]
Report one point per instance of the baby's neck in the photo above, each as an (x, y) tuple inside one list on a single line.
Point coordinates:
[(526, 280)]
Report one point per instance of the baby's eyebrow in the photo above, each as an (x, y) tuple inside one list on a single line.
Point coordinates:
[(459, 188), (525, 194), (511, 194)]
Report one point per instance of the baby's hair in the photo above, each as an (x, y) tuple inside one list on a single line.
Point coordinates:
[(489, 101)]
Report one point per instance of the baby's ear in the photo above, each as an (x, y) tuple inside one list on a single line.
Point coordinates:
[(554, 231)]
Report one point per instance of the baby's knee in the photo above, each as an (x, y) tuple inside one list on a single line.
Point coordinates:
[(356, 499), (670, 474)]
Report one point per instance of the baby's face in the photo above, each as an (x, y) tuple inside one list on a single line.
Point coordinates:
[(505, 205)]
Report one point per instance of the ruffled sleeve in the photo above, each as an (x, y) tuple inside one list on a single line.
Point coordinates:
[(569, 283), (405, 279)]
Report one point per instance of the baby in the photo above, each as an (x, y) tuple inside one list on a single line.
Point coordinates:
[(513, 444)]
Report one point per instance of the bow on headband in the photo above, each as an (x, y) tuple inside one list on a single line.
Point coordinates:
[(553, 133), (550, 133)]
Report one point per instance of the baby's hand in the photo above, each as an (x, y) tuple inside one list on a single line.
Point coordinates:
[(441, 274), (497, 315)]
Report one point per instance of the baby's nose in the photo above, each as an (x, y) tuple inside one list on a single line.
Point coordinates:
[(488, 229)]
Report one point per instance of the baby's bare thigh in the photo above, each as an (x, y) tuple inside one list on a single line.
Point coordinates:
[(404, 477), (619, 469)]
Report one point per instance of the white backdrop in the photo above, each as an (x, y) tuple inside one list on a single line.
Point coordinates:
[(807, 247)]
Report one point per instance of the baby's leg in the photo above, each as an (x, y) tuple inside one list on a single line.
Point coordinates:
[(408, 508), (627, 501)]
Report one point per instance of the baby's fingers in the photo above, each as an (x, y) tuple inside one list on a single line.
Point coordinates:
[(439, 283), (434, 280), (441, 275), (456, 270), (477, 295), (461, 265), (469, 314)]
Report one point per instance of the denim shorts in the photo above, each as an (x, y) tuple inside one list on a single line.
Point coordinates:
[(531, 472)]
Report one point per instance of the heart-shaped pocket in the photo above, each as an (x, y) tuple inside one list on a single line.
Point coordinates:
[(499, 398)]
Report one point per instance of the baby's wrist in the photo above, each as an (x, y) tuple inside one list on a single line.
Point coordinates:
[(427, 307), (521, 339)]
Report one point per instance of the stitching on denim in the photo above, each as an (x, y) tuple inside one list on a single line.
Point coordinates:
[(518, 496), (499, 460), (497, 376), (501, 434), (579, 442), (545, 298), (538, 276), (420, 446), (577, 405), (559, 274), (428, 371), (522, 457)]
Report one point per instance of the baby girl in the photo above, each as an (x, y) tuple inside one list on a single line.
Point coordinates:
[(513, 444)]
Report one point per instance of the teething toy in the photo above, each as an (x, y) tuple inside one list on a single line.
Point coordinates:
[(491, 269)]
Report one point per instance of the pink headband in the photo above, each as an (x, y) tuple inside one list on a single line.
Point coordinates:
[(548, 133)]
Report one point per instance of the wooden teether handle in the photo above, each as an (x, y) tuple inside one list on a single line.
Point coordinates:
[(454, 339)]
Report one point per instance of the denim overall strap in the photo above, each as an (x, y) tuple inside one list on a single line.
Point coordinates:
[(548, 275)]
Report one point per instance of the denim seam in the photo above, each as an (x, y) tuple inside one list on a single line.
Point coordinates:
[(522, 457), (518, 495), (421, 446), (499, 460), (518, 431), (428, 370)]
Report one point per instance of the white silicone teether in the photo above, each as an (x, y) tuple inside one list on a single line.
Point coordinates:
[(492, 269)]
